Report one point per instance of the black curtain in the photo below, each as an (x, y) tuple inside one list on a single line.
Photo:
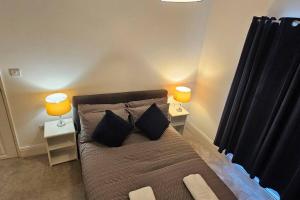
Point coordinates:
[(260, 124)]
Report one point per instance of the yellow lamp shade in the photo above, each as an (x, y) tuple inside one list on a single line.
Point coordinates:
[(182, 94), (57, 104)]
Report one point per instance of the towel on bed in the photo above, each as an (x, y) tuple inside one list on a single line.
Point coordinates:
[(145, 193), (199, 188)]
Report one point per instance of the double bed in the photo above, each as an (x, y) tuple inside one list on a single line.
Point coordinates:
[(111, 173)]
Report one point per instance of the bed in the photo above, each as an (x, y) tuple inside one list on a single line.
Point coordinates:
[(111, 173)]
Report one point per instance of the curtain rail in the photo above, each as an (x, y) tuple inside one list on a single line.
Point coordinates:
[(294, 23)]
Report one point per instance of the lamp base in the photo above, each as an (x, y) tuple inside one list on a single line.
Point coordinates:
[(61, 122), (179, 109)]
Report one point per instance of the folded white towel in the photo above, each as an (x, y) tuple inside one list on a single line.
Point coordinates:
[(145, 193), (199, 188)]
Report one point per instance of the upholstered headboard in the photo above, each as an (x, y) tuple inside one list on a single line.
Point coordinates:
[(113, 98)]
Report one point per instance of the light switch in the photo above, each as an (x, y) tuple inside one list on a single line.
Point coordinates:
[(15, 72)]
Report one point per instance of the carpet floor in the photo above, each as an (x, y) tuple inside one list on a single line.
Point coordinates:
[(33, 178)]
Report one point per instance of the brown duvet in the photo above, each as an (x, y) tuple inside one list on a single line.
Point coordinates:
[(111, 173)]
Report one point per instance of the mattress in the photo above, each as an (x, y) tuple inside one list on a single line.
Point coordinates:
[(111, 173)]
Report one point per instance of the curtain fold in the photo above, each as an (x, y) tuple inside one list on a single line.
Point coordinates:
[(260, 124)]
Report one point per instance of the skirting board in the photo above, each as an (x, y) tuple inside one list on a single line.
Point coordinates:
[(33, 150), (190, 126), (6, 157)]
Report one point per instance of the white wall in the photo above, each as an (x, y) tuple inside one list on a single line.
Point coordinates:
[(96, 46), (93, 46), (284, 8), (227, 27)]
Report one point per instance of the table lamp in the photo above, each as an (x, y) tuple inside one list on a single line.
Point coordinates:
[(58, 104), (182, 95)]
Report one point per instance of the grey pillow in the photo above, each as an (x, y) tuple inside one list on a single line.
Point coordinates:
[(86, 108), (136, 113), (90, 120), (147, 102)]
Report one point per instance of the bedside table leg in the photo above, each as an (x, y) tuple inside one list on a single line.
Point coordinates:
[(76, 149), (48, 152)]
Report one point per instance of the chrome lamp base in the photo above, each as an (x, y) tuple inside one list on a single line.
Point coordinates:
[(61, 122), (179, 109)]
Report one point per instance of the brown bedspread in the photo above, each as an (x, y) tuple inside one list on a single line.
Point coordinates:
[(111, 173)]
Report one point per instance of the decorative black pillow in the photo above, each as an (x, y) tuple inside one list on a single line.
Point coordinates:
[(153, 122), (112, 130)]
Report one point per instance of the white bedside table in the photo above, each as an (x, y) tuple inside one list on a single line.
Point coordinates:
[(61, 142), (178, 119)]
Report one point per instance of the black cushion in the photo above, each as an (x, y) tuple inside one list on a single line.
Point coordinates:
[(153, 122), (112, 130)]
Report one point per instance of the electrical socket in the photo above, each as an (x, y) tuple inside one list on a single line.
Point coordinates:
[(14, 72)]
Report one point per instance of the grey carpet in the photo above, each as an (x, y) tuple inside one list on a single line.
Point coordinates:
[(32, 178)]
